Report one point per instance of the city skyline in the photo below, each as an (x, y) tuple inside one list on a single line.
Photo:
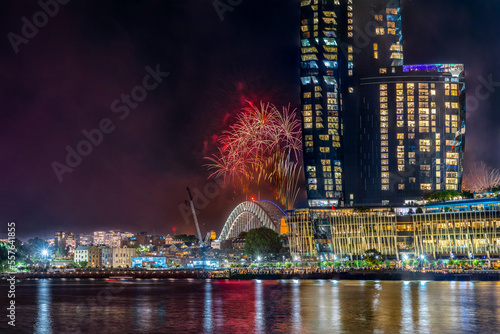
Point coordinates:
[(64, 80)]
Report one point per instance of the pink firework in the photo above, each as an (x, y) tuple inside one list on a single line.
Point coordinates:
[(263, 145)]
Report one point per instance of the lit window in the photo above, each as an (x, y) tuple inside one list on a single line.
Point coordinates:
[(425, 186)]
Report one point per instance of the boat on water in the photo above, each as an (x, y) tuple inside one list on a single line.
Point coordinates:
[(120, 279)]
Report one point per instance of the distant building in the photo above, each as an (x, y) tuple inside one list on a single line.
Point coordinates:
[(238, 243), (99, 238), (171, 249), (71, 242), (65, 239), (145, 239), (113, 238), (169, 240), (51, 242), (85, 240)]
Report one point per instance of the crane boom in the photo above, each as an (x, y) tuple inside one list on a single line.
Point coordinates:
[(202, 244)]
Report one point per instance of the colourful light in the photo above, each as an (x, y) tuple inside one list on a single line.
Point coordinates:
[(263, 145)]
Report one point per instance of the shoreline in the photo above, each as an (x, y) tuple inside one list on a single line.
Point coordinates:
[(360, 275)]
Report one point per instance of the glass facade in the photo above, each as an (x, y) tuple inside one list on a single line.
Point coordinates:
[(376, 131)]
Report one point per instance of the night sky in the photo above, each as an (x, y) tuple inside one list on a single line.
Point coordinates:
[(64, 79)]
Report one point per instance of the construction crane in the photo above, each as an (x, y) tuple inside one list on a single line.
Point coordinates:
[(204, 244)]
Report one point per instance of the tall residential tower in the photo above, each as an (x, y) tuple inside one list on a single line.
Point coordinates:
[(376, 132)]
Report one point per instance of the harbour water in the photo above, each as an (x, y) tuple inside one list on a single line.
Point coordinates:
[(230, 306)]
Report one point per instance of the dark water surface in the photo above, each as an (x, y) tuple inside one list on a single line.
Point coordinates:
[(191, 306)]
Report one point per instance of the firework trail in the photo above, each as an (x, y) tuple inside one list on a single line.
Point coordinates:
[(481, 178), (263, 145)]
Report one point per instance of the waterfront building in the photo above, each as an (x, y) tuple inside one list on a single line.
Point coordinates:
[(118, 257), (95, 256), (206, 263), (89, 254), (375, 131), (301, 238), (455, 229), (149, 262)]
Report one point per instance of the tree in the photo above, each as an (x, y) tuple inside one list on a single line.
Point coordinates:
[(373, 257), (419, 210), (242, 235), (186, 238), (262, 241), (443, 195)]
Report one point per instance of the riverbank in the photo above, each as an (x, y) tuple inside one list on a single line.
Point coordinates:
[(273, 274)]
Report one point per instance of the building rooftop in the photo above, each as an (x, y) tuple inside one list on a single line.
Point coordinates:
[(466, 204)]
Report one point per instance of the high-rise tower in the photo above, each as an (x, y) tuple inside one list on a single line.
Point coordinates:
[(376, 132)]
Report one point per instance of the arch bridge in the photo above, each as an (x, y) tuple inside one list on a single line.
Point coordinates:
[(252, 214)]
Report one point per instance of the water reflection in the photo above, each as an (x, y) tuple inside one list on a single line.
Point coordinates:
[(207, 313), (260, 307), (423, 308), (296, 316), (406, 308), (43, 323)]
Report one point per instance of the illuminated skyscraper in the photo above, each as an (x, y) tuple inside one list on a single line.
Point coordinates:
[(376, 132)]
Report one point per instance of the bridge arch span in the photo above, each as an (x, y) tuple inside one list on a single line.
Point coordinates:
[(252, 214)]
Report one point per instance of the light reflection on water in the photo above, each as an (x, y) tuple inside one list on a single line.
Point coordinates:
[(284, 306), (43, 320)]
